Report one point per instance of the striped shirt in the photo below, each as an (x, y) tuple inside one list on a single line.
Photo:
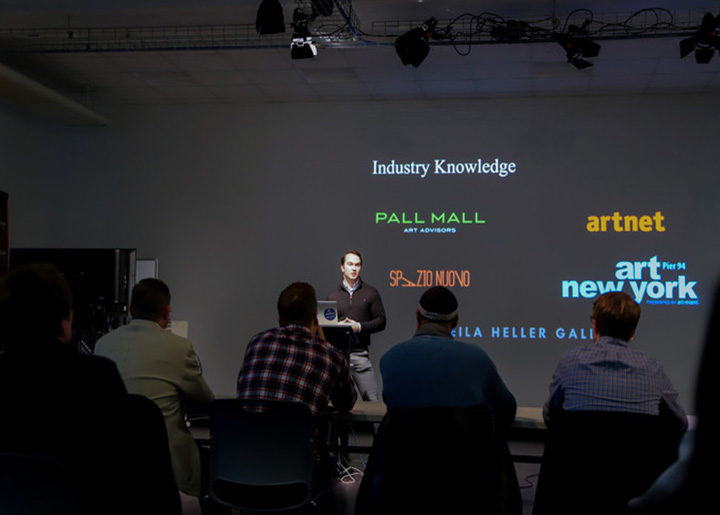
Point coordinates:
[(608, 375), (289, 363)]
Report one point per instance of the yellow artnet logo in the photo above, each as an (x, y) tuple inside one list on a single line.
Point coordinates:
[(626, 223)]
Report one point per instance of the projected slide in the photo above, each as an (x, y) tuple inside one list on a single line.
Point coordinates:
[(527, 233)]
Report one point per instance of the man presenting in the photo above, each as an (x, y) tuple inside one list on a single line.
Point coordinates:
[(162, 366), (360, 306)]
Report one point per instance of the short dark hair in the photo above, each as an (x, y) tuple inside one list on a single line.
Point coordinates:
[(342, 259), (438, 304), (297, 304), (616, 314), (149, 298), (34, 300)]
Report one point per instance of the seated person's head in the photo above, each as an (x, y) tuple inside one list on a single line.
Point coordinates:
[(297, 305), (150, 300), (35, 306), (615, 314), (439, 305)]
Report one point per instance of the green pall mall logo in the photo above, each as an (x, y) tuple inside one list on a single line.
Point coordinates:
[(431, 222), (388, 218)]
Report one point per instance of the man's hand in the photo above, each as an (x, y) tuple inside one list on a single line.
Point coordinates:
[(353, 323)]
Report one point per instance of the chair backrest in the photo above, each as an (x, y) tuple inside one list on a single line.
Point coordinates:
[(114, 455), (595, 461), (438, 459), (143, 467), (261, 454), (35, 485)]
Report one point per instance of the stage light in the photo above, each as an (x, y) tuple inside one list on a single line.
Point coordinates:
[(270, 18), (703, 55), (704, 42), (413, 47), (578, 48), (301, 46)]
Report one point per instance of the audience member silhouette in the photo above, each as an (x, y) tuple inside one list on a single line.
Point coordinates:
[(293, 362), (74, 408), (687, 486), (441, 447), (162, 366), (613, 416), (609, 374)]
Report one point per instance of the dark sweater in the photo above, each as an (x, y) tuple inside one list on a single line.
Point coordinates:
[(364, 306)]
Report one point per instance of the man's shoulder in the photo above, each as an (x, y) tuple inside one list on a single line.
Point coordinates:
[(422, 343), (285, 335), (447, 342), (601, 353), (141, 331), (438, 350), (276, 332), (100, 372), (582, 349), (97, 364), (574, 355), (133, 327), (336, 292), (113, 334), (369, 288), (470, 353), (294, 336)]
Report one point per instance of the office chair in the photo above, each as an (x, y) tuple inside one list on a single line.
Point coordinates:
[(594, 462), (114, 461), (35, 485), (261, 454), (143, 465), (439, 460)]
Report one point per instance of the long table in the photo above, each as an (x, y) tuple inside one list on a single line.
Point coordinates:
[(528, 426), (366, 411)]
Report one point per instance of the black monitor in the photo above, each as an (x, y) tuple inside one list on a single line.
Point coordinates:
[(101, 281)]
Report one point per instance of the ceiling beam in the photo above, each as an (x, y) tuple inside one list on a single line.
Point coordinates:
[(46, 102)]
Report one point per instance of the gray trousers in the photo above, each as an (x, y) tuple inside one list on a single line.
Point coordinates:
[(363, 375)]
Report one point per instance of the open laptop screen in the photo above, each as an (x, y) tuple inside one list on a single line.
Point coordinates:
[(327, 313)]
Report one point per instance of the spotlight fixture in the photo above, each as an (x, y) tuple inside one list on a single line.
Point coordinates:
[(301, 46), (270, 18), (704, 42), (576, 48), (413, 47)]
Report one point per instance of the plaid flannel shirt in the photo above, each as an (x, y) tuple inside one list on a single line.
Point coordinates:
[(289, 363)]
